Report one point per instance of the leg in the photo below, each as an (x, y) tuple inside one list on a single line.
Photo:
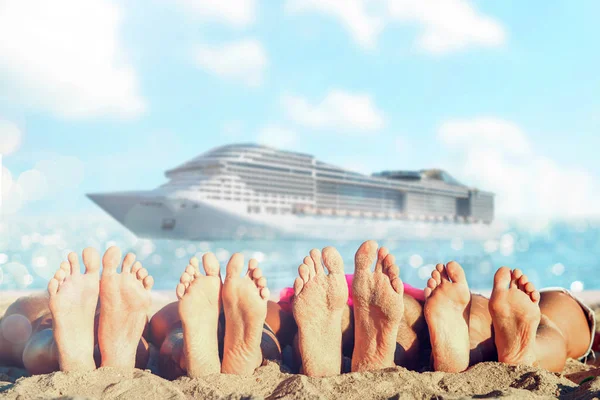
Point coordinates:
[(522, 334), (124, 302), (199, 308), (378, 308), (22, 320), (318, 307), (73, 299), (245, 308), (447, 313), (568, 316)]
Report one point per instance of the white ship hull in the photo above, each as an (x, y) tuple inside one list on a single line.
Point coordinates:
[(152, 216)]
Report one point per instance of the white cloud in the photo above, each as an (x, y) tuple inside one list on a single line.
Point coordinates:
[(65, 56), (278, 137), (487, 132), (354, 14), (236, 13), (496, 155), (445, 25), (244, 61), (47, 177), (10, 137), (338, 110)]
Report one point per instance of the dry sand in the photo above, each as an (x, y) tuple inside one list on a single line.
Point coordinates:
[(486, 380)]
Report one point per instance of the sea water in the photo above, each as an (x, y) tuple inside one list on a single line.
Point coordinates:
[(551, 253)]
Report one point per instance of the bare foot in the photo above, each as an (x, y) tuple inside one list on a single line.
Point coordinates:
[(515, 310), (73, 299), (318, 306), (199, 308), (447, 309), (245, 306), (124, 302), (378, 308)]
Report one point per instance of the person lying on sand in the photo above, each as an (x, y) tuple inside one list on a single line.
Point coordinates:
[(59, 330), (372, 317), (387, 322), (395, 325), (109, 309)]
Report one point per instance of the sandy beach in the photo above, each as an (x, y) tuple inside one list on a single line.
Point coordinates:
[(486, 380)]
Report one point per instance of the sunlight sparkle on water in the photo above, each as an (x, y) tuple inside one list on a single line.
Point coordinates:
[(558, 269), (425, 271), (415, 261), (577, 286)]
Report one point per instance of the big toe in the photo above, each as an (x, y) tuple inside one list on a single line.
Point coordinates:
[(211, 264), (365, 256), (235, 265), (111, 259), (333, 260), (502, 278), (91, 259), (455, 272)]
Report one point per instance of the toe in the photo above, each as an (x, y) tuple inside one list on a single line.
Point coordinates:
[(502, 278), (110, 260), (252, 266), (529, 288), (393, 271), (304, 272), (455, 272), (136, 267), (148, 282), (535, 296), (522, 282), (427, 292), (66, 267), (128, 261), (381, 255), (265, 293), (142, 274), (298, 286), (397, 285), (261, 282), (432, 283), (180, 290), (388, 262), (91, 260), (191, 271), (441, 271), (211, 264), (256, 273), (234, 266), (365, 256), (316, 257), (185, 278), (516, 275), (436, 276), (308, 261), (74, 261), (61, 274), (195, 263), (52, 287), (333, 260)]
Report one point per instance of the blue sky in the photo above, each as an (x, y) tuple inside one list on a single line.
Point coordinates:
[(103, 95)]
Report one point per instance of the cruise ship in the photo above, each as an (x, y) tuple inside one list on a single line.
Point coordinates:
[(250, 191)]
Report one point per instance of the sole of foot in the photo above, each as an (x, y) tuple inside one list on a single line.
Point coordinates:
[(73, 300), (199, 308), (447, 310), (514, 307), (124, 302), (378, 308), (245, 307), (318, 306)]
